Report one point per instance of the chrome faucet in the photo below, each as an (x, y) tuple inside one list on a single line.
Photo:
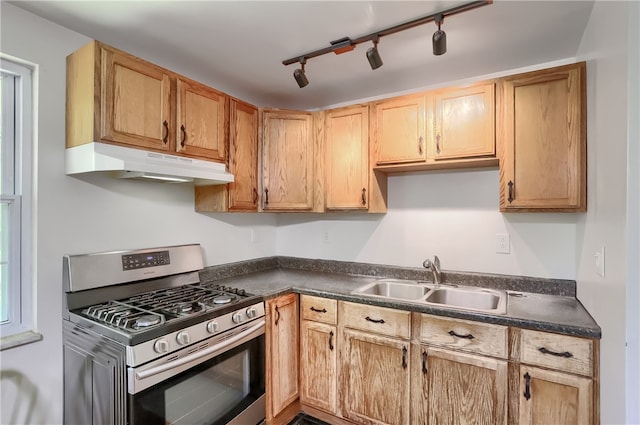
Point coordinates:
[(434, 267)]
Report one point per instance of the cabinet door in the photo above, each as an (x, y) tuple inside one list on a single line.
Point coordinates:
[(287, 160), (458, 388), (282, 353), (135, 102), (375, 378), (201, 125), (543, 140), (243, 156), (347, 158), (464, 124), (399, 130), (551, 397), (318, 365)]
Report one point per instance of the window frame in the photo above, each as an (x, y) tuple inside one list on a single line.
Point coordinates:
[(19, 195)]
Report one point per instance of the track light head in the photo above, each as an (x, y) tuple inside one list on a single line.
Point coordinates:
[(373, 56), (439, 37), (299, 74)]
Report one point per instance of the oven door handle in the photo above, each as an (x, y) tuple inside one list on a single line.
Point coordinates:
[(247, 334)]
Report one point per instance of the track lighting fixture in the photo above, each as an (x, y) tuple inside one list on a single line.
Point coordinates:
[(439, 39), (373, 56), (299, 74), (346, 44)]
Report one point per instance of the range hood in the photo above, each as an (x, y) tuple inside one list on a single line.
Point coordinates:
[(140, 164)]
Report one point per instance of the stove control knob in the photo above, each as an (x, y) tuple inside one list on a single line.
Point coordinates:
[(161, 346), (251, 312), (237, 318), (183, 338), (212, 327)]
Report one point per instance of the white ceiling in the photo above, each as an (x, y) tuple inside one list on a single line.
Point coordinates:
[(238, 46)]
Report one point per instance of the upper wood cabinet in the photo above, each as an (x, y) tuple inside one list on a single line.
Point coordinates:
[(201, 128), (288, 161), (347, 158), (542, 140), (242, 194), (399, 130), (463, 123), (115, 97), (282, 345)]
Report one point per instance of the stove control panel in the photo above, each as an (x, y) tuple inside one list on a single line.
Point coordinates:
[(171, 342), (143, 260)]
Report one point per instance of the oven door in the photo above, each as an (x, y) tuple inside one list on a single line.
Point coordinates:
[(223, 383)]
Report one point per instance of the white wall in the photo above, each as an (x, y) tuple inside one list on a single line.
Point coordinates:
[(450, 214), (95, 214), (604, 47)]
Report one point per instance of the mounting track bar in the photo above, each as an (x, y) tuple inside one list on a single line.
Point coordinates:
[(342, 43)]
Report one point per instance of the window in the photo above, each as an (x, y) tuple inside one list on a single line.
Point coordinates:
[(16, 144)]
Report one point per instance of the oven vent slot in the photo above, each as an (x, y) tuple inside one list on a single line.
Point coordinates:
[(198, 348), (172, 358)]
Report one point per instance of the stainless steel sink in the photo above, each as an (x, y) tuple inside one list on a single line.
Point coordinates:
[(477, 299), (465, 298), (391, 288)]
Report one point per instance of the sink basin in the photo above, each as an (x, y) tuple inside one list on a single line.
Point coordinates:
[(477, 299), (390, 288)]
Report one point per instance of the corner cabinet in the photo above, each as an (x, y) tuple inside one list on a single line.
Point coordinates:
[(242, 194), (542, 139), (347, 158), (282, 345), (115, 97), (288, 155)]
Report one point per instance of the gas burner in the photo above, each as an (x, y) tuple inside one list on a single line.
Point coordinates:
[(188, 307), (222, 299), (146, 321)]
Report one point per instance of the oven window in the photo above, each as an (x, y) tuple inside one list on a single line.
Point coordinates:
[(211, 393)]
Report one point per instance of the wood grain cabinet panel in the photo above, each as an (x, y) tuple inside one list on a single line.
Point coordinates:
[(399, 130), (379, 320), (202, 124), (375, 378), (552, 397), (458, 334), (347, 158), (560, 352), (450, 387), (542, 139), (464, 122), (319, 309), (318, 365), (287, 161), (282, 348)]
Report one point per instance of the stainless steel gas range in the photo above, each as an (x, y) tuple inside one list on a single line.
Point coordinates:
[(145, 342)]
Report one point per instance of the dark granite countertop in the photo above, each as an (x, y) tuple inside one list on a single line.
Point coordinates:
[(532, 303)]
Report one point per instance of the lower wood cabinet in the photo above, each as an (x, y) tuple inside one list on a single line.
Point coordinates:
[(375, 378), (282, 345), (450, 387), (371, 365), (319, 353), (552, 397)]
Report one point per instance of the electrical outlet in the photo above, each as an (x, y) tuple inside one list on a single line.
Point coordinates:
[(599, 255), (503, 243), (325, 236)]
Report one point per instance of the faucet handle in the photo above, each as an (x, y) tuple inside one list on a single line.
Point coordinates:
[(430, 265), (436, 261)]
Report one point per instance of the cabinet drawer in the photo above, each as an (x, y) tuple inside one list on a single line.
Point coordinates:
[(319, 309), (385, 321), (561, 352), (460, 334)]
